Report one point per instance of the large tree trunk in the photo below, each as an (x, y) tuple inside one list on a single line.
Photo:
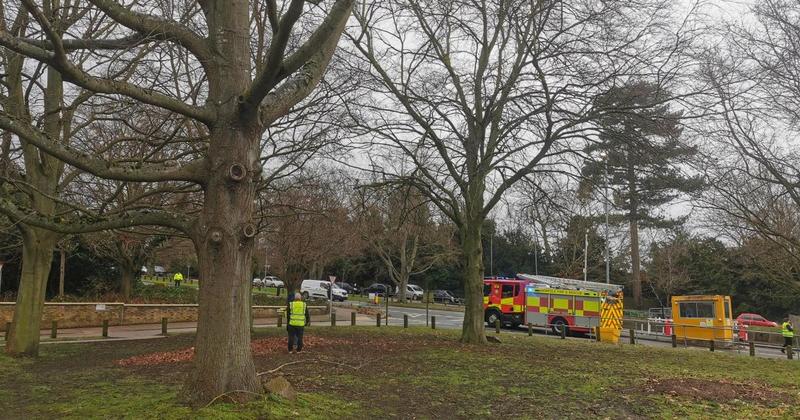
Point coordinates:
[(224, 234), (636, 278), (473, 328), (37, 258), (42, 174), (223, 362), (126, 286)]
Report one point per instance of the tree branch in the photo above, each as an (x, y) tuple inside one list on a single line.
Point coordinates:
[(101, 168)]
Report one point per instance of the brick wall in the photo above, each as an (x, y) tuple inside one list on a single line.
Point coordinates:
[(72, 315)]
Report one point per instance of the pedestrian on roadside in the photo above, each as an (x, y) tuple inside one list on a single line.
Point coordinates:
[(177, 278), (298, 319), (787, 331)]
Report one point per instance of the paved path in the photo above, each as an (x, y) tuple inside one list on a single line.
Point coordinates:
[(416, 317)]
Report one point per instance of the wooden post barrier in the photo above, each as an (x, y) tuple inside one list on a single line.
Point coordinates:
[(497, 326), (632, 335), (53, 329), (8, 330), (333, 319), (674, 341), (280, 320), (164, 326), (563, 332), (433, 322), (789, 352), (378, 319), (530, 329), (405, 321), (353, 319), (105, 328), (597, 333), (711, 345), (752, 349)]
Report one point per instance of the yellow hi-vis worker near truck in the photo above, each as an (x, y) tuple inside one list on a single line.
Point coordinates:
[(787, 331)]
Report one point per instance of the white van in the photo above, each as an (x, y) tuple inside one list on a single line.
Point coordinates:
[(414, 292), (318, 289)]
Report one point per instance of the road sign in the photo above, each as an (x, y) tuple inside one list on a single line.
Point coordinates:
[(332, 279)]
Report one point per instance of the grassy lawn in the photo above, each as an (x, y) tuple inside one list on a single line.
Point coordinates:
[(415, 373)]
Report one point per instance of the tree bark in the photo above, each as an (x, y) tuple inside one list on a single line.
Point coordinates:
[(126, 286), (62, 272), (636, 278), (37, 258), (473, 327)]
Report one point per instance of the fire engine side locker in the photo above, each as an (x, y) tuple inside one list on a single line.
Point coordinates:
[(540, 307)]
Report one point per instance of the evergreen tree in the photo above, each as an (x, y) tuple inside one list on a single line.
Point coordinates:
[(643, 153)]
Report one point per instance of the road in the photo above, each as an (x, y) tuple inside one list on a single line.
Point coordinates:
[(454, 319)]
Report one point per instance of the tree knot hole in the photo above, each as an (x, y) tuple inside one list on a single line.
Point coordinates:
[(237, 172)]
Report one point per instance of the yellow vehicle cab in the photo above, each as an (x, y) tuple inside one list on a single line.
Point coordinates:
[(702, 317)]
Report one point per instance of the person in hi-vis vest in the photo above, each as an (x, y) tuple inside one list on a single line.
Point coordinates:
[(297, 312)]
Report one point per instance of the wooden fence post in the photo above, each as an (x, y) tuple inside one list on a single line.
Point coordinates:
[(280, 320), (752, 348), (711, 345), (53, 329), (378, 319), (530, 329), (789, 352), (433, 322), (333, 318), (8, 330), (105, 328), (497, 326), (353, 319), (563, 332), (405, 320), (674, 341), (632, 334), (164, 326)]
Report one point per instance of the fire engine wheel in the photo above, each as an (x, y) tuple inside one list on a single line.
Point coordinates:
[(492, 316), (558, 325)]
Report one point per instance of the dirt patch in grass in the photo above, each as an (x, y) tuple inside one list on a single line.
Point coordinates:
[(719, 391)]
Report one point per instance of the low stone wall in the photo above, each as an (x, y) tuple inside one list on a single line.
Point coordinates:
[(74, 315)]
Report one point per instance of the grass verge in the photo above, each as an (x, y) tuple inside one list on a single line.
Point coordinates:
[(415, 373)]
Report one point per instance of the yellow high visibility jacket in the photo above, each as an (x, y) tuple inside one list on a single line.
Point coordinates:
[(177, 276), (297, 313), (786, 331)]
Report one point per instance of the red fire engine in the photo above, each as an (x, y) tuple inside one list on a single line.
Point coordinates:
[(551, 302)]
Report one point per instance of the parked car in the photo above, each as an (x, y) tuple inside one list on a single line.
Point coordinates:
[(349, 288), (257, 282), (378, 288), (272, 281), (319, 289), (444, 296), (754, 320), (414, 292)]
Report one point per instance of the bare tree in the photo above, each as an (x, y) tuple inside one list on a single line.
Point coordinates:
[(233, 80), (399, 226), (476, 96)]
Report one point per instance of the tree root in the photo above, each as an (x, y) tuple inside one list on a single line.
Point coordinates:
[(227, 394), (312, 361)]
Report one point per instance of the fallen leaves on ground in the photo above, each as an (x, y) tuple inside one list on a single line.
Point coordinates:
[(714, 390), (260, 347)]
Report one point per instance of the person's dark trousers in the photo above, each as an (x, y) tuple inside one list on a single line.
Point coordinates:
[(787, 341), (177, 283), (295, 337)]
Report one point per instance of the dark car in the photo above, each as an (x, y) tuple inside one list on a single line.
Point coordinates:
[(378, 288), (349, 288), (444, 296)]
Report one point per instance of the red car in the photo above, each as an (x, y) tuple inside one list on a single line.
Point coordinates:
[(754, 320)]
